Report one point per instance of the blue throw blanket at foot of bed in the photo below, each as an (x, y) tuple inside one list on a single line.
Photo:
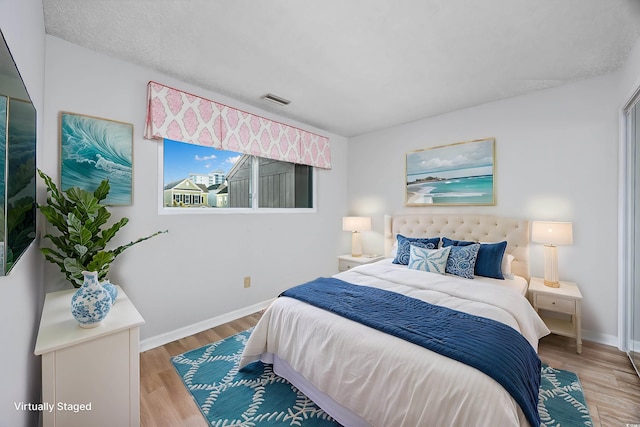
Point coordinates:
[(476, 341)]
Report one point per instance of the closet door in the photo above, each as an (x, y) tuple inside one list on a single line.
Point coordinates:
[(633, 121)]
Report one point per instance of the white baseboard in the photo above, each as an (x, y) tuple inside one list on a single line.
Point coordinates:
[(162, 339), (600, 338)]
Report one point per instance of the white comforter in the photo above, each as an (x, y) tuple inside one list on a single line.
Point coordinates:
[(383, 379)]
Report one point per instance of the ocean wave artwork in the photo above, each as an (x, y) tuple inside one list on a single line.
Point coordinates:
[(456, 174), (94, 149)]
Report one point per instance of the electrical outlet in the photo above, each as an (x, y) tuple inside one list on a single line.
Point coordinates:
[(247, 282)]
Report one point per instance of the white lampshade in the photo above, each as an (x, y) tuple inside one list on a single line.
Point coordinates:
[(552, 233), (356, 223)]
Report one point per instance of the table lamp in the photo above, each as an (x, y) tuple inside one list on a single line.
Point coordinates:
[(356, 224), (551, 234)]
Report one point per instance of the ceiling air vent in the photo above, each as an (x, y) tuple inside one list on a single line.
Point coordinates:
[(276, 99)]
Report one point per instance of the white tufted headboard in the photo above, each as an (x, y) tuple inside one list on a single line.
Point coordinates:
[(478, 228)]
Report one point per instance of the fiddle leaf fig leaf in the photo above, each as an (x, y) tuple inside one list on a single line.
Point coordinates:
[(54, 217), (81, 250), (85, 202), (117, 251), (109, 233), (102, 191), (73, 269), (57, 198), (53, 257), (100, 219), (77, 232), (73, 223), (101, 261)]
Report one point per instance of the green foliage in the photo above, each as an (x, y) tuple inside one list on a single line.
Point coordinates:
[(82, 234)]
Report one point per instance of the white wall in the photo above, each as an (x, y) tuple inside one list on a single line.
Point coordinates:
[(630, 74), (195, 272), (22, 25), (556, 160)]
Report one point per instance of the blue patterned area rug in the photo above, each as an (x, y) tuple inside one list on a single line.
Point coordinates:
[(561, 402), (257, 397)]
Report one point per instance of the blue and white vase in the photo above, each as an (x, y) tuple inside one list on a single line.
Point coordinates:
[(91, 303), (111, 288)]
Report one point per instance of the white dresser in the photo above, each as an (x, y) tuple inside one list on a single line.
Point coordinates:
[(90, 377)]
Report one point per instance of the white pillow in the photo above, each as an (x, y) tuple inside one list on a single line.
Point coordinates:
[(507, 259), (394, 250), (430, 260)]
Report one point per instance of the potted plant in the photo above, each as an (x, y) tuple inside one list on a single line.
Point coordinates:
[(83, 234)]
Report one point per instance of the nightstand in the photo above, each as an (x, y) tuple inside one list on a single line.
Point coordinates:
[(347, 262), (565, 300)]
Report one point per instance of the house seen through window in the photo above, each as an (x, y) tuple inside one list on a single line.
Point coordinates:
[(203, 177)]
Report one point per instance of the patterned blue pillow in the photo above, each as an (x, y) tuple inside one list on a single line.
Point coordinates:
[(489, 261), (431, 260), (462, 260), (402, 257)]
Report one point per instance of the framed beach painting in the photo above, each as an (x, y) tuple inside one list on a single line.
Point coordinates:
[(455, 174), (93, 149)]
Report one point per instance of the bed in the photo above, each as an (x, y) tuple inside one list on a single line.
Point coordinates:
[(366, 377)]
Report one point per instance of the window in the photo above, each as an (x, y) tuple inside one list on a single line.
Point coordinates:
[(283, 184), (195, 176)]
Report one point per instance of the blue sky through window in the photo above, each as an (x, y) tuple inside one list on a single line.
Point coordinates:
[(181, 159)]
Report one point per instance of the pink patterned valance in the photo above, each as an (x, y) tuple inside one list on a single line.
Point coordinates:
[(184, 117)]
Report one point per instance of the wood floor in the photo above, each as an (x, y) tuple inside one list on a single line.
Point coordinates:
[(611, 386)]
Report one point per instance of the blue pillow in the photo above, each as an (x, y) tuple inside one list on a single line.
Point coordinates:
[(462, 260), (402, 257), (489, 262), (450, 242), (430, 260)]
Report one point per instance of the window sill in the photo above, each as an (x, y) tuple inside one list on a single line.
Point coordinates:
[(231, 211)]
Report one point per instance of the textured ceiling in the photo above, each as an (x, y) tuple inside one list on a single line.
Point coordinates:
[(351, 67)]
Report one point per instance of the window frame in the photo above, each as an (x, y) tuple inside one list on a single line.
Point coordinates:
[(255, 209)]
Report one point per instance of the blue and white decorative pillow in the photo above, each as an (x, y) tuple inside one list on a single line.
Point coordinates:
[(430, 260), (490, 257), (402, 256), (462, 260)]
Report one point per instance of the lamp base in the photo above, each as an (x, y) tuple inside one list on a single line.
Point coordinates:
[(551, 266), (356, 244), (552, 284)]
